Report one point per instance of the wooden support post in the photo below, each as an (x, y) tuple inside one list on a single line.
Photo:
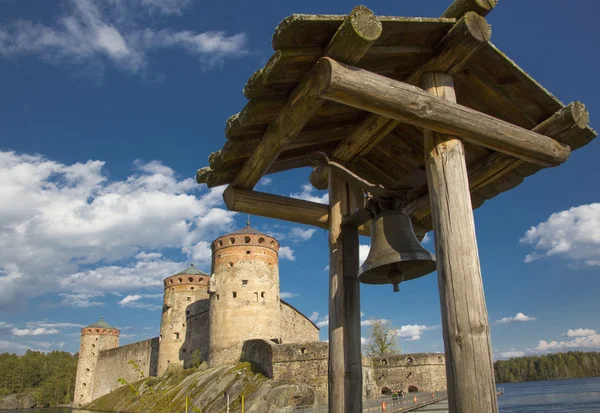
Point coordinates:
[(350, 247), (387, 97), (465, 324), (338, 203), (349, 44)]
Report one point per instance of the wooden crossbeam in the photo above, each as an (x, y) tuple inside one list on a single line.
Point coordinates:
[(564, 124), (410, 104), (280, 207), (352, 40), (451, 54)]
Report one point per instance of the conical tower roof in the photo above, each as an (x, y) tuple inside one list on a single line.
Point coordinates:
[(101, 324), (191, 270)]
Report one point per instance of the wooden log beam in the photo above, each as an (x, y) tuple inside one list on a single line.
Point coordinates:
[(465, 322), (406, 103), (352, 40), (460, 7), (280, 207), (451, 54), (567, 122)]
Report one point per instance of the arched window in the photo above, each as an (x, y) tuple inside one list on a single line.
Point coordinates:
[(413, 389)]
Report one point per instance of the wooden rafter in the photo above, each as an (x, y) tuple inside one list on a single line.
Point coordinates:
[(352, 40)]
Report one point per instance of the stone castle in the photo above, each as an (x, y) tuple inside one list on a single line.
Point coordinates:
[(236, 314)]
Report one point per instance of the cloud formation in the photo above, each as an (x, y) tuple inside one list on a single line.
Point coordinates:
[(97, 32), (572, 234), (307, 193), (583, 339), (40, 331), (133, 301), (518, 317), (413, 332), (69, 229), (286, 253)]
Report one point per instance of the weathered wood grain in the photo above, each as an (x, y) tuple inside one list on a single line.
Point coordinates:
[(406, 103), (562, 126), (460, 7), (351, 41), (465, 323)]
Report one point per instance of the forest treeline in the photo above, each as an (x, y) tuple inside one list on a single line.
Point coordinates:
[(570, 365), (50, 377)]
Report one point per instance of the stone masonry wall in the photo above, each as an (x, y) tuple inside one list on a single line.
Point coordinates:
[(295, 327), (416, 372), (302, 363), (113, 365)]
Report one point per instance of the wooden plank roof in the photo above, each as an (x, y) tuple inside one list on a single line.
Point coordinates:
[(490, 82)]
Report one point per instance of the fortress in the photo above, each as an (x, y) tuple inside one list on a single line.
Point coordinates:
[(236, 314)]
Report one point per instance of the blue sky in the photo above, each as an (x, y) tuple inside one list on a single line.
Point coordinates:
[(108, 108)]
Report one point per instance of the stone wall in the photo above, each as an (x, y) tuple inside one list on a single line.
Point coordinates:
[(260, 354), (302, 363), (113, 365), (410, 372), (295, 326)]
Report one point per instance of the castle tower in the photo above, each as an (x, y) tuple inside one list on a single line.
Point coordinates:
[(184, 321), (244, 301), (94, 338)]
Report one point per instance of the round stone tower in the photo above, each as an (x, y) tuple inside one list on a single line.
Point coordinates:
[(94, 338), (244, 300), (184, 321)]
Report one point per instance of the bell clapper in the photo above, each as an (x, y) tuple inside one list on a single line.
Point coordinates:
[(395, 277), (396, 288)]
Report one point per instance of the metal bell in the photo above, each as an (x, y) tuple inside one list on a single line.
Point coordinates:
[(396, 255)]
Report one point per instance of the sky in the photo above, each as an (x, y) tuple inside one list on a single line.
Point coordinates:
[(108, 108)]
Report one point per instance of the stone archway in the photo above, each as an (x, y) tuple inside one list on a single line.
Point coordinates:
[(413, 389), (386, 390)]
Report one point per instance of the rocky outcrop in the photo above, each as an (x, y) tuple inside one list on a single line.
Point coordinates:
[(17, 401), (206, 390)]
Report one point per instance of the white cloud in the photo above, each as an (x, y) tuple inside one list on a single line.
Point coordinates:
[(13, 347), (583, 339), (133, 301), (299, 234), (323, 322), (426, 239), (93, 32), (581, 332), (511, 354), (285, 294), (326, 268), (80, 300), (59, 223), (307, 194), (363, 252), (363, 341), (314, 316), (518, 317), (413, 332), (286, 253), (147, 256), (50, 324), (364, 323), (573, 234), (40, 331), (264, 181)]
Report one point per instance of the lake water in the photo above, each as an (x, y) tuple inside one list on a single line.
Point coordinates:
[(571, 396)]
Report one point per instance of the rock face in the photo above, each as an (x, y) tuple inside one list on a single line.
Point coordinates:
[(17, 401), (206, 391)]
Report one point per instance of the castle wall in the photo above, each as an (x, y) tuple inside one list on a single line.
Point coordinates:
[(185, 297), (245, 303), (295, 327), (302, 363), (113, 365), (424, 371), (93, 341)]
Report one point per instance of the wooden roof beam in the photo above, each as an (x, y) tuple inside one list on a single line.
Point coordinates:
[(280, 207), (354, 37), (410, 104), (562, 126), (460, 7), (451, 54)]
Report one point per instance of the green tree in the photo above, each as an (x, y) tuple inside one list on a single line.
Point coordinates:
[(383, 339)]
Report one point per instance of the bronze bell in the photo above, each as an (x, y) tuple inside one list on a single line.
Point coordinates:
[(396, 255)]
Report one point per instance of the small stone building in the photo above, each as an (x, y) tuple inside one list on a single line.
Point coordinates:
[(235, 314)]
